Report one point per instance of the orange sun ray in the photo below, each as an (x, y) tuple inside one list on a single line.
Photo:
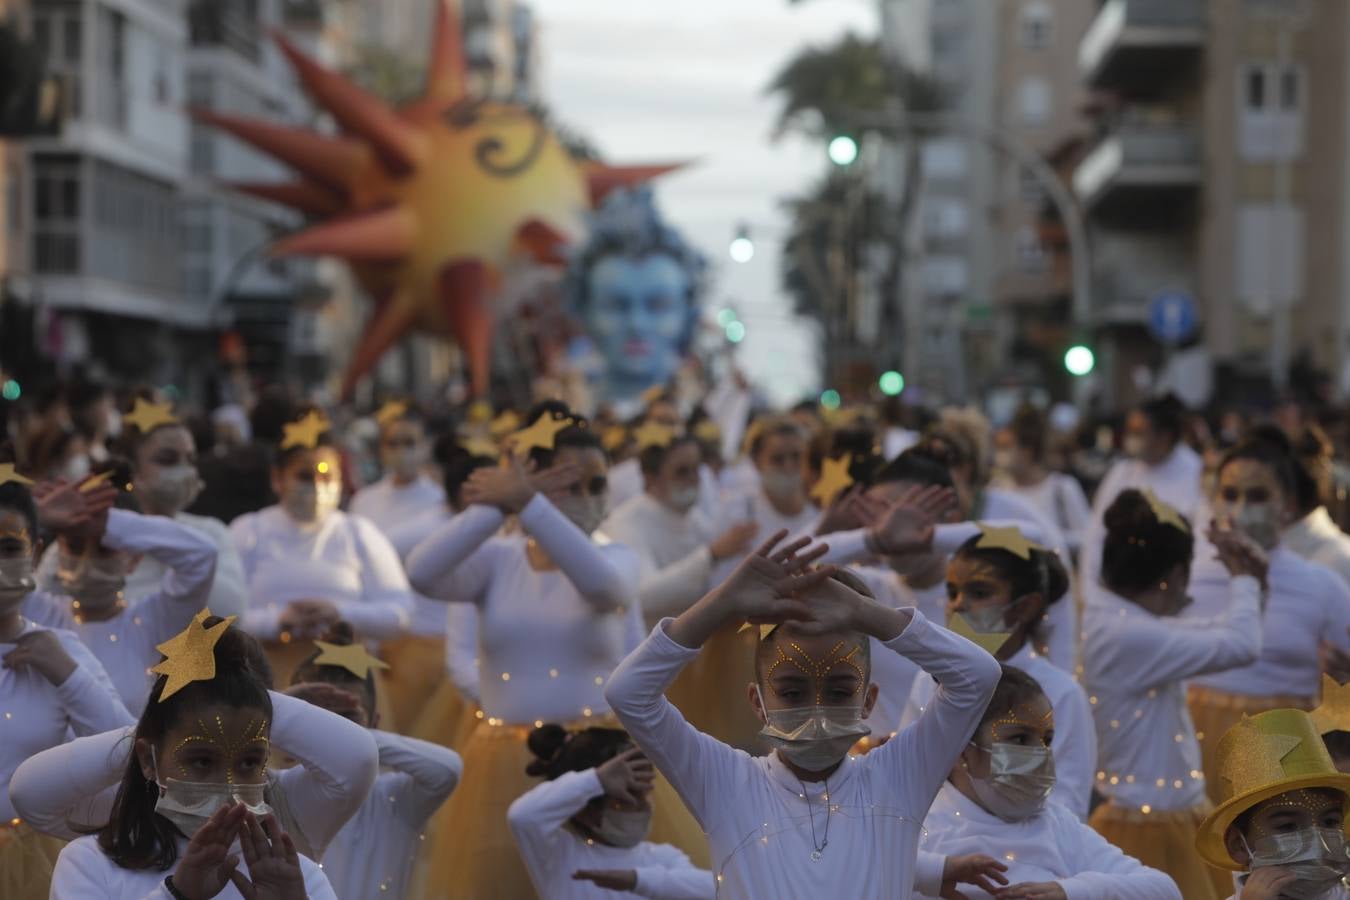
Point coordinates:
[(464, 288), (400, 146), (382, 234), (603, 179), (542, 243), (334, 161), (446, 71), (393, 318), (305, 196)]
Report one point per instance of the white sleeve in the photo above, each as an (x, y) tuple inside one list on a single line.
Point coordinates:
[(433, 772), (602, 579), (921, 756), (461, 648), (338, 764), (672, 590), (1142, 652), (928, 870), (317, 885), (229, 591), (446, 566), (386, 600), (919, 696), (72, 784), (1075, 751), (671, 876), (703, 770), (189, 560), (83, 871), (537, 816), (1077, 513), (1106, 873), (91, 702)]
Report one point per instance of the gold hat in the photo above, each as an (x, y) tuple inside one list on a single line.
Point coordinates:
[(1259, 758), (1334, 712)]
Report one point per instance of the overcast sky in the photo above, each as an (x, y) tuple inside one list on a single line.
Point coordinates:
[(652, 81)]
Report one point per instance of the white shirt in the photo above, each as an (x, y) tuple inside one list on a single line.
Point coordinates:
[(547, 640), (754, 506), (373, 854), (1135, 668), (125, 644), (83, 871), (1052, 846), (1317, 538), (672, 549), (1075, 743), (36, 715), (553, 852), (1059, 499), (77, 781), (892, 673), (1307, 604), (756, 813), (343, 559), (406, 514)]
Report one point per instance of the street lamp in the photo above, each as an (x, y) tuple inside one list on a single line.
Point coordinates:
[(843, 150), (1079, 360), (735, 331), (742, 249), (891, 383)]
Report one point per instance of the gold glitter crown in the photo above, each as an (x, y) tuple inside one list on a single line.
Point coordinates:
[(1261, 757)]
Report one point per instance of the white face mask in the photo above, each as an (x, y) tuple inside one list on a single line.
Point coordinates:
[(95, 582), (16, 583), (781, 485), (310, 503), (587, 511), (1020, 779), (1317, 857), (813, 737), (189, 804), (1256, 520), (623, 827), (171, 490), (682, 499)]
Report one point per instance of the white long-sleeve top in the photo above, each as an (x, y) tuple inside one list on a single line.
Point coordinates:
[(1052, 846), (84, 871), (125, 644), (548, 640), (1135, 668), (1075, 743), (75, 783), (1307, 604), (228, 588), (553, 852), (343, 559), (892, 673), (36, 715), (1317, 538), (406, 514), (1059, 499), (672, 549), (754, 506), (373, 854), (755, 811)]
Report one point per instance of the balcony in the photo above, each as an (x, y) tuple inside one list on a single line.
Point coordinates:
[(1135, 46), (1140, 173)]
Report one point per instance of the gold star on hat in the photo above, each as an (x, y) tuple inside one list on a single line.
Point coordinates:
[(542, 434), (990, 642), (8, 473), (504, 424), (306, 432), (352, 657), (1334, 712), (1165, 513), (191, 655), (148, 416), (480, 446), (392, 411), (653, 434), (1008, 538), (834, 480)]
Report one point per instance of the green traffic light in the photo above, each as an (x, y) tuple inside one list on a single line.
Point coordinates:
[(1079, 360), (10, 390), (891, 383), (843, 150), (735, 332), (830, 399)]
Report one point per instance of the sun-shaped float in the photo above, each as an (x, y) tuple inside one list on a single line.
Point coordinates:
[(429, 203)]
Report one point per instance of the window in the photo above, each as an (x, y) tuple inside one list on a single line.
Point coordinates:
[(1256, 88), (1269, 261), (1034, 101), (1028, 250), (56, 214), (1271, 102), (1036, 26), (944, 158)]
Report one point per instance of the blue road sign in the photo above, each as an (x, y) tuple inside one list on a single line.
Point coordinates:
[(1171, 317)]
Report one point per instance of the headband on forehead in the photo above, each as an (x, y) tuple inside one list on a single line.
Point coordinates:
[(306, 432), (542, 434), (146, 416), (355, 658), (191, 655), (653, 434), (392, 411)]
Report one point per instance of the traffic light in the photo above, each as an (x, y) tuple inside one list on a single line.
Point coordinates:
[(843, 150), (830, 399), (1079, 360), (891, 383)]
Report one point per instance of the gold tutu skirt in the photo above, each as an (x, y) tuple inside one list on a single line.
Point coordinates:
[(1165, 841), (470, 854), (286, 656), (416, 672), (1214, 712), (27, 859), (711, 691)]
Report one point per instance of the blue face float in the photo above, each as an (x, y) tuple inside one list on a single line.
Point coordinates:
[(638, 313)]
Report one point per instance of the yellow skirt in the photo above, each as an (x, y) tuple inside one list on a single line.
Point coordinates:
[(27, 859), (1165, 841), (711, 691), (286, 656), (416, 672), (447, 718), (1214, 712), (469, 852)]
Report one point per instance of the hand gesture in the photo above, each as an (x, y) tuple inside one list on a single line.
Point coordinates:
[(511, 486), (735, 541), (328, 696), (980, 871), (609, 879), (1267, 883), (907, 526), (765, 588), (1239, 554), (1334, 661), (64, 508), (628, 777), (309, 619), (42, 652), (273, 865), (1045, 890), (208, 865)]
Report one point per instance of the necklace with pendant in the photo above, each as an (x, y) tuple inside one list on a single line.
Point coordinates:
[(819, 848)]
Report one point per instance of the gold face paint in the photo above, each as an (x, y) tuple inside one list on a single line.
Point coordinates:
[(256, 732), (819, 669), (1302, 800), (1023, 716)]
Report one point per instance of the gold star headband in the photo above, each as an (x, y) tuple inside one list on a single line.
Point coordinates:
[(1008, 538), (306, 432), (392, 411), (652, 394), (653, 434), (148, 416), (708, 431), (191, 656), (8, 473), (834, 480), (352, 657), (1333, 714), (542, 434), (504, 424), (614, 438), (1165, 513), (480, 446)]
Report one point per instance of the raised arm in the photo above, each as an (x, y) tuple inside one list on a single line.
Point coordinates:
[(229, 588), (443, 566), (537, 816), (71, 785), (461, 649), (672, 590), (432, 774), (605, 580), (188, 557), (91, 702)]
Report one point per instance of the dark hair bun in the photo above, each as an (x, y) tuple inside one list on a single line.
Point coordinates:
[(1140, 550), (558, 751), (545, 742), (340, 633)]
